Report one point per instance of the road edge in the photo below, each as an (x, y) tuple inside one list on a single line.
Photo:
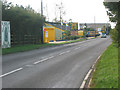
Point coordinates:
[(88, 78)]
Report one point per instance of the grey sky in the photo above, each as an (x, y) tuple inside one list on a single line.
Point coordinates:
[(82, 11), (111, 0)]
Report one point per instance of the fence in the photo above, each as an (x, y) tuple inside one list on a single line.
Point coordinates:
[(24, 39)]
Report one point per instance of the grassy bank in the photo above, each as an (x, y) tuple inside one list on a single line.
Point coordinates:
[(23, 48), (106, 73)]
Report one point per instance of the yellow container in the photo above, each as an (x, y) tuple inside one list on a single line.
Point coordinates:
[(48, 35), (80, 33)]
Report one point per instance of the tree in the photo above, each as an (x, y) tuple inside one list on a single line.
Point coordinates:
[(70, 20), (59, 9), (114, 15), (25, 23), (67, 34)]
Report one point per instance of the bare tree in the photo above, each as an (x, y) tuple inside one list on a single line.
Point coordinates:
[(59, 9)]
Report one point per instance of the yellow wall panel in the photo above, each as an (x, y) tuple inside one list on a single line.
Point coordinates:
[(48, 35), (80, 33)]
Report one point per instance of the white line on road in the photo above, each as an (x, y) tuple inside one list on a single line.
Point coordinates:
[(41, 61), (77, 48), (11, 72), (68, 51), (84, 81), (28, 65), (50, 57), (55, 47), (62, 53)]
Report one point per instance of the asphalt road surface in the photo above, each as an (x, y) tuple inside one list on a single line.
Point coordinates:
[(63, 66)]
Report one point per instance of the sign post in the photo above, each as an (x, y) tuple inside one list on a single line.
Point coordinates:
[(5, 32)]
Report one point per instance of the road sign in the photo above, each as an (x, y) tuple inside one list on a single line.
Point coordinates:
[(99, 29)]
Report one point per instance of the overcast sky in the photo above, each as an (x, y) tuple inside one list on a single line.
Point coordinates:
[(82, 11)]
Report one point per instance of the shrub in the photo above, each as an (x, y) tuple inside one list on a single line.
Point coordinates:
[(114, 35)]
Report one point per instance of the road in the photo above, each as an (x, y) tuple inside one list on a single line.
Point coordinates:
[(63, 66)]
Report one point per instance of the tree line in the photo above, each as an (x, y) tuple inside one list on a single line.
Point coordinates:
[(114, 16), (25, 23)]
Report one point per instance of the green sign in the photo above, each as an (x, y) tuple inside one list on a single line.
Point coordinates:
[(5, 29)]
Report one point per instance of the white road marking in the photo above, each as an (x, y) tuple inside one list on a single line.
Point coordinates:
[(84, 81), (62, 53), (68, 51), (41, 61), (77, 48), (85, 45), (10, 72), (28, 65), (50, 57), (55, 47)]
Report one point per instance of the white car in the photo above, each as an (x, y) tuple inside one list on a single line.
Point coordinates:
[(103, 36)]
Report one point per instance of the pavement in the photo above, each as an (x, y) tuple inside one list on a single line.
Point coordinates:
[(63, 66), (58, 42), (54, 42)]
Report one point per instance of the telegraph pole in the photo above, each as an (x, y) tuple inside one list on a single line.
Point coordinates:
[(42, 21), (95, 24)]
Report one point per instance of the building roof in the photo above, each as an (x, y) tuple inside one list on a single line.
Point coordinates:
[(58, 25)]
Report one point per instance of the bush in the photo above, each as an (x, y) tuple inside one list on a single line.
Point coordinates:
[(25, 24), (114, 36), (74, 37)]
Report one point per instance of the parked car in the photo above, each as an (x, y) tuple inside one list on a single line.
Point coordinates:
[(103, 36)]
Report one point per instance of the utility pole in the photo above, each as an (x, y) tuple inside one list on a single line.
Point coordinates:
[(42, 21), (95, 24), (60, 12), (47, 13)]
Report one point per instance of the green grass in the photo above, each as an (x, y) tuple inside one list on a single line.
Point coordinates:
[(106, 74), (23, 48)]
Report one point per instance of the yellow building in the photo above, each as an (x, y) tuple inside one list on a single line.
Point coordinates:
[(48, 35), (80, 33)]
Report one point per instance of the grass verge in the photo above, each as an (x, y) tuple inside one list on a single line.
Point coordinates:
[(106, 72), (23, 48)]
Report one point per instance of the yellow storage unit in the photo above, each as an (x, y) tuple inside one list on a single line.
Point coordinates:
[(96, 32), (48, 35), (80, 33)]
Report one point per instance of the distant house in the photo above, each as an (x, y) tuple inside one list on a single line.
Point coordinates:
[(94, 25)]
